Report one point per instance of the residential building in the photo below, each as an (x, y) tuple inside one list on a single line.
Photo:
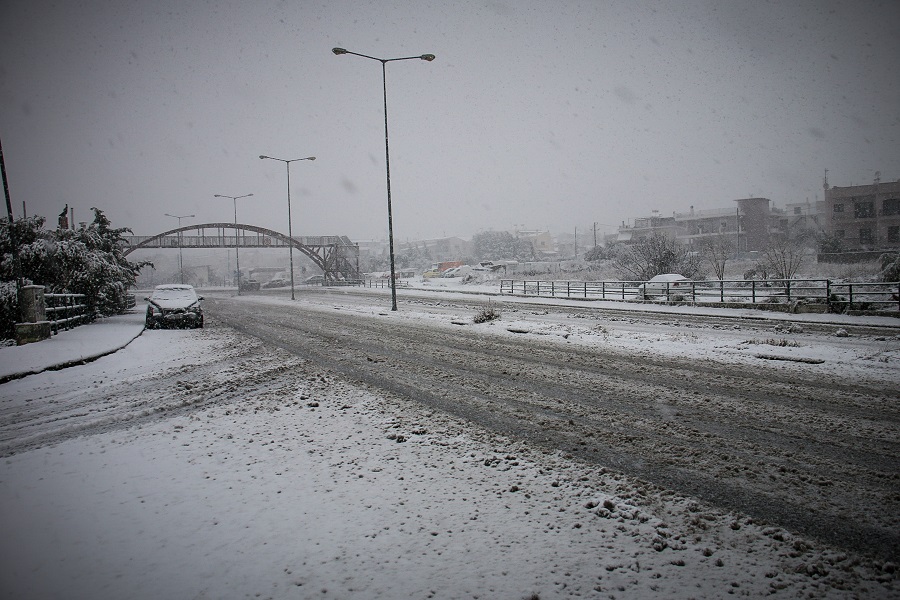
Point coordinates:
[(865, 217), (747, 225), (541, 241), (441, 249)]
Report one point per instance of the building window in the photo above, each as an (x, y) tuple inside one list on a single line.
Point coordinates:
[(839, 208), (863, 210), (894, 234), (865, 235), (839, 233), (891, 206)]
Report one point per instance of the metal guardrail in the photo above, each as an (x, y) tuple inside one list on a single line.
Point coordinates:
[(65, 311), (834, 296), (377, 283)]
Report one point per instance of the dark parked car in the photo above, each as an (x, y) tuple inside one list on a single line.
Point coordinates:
[(277, 282), (249, 285), (174, 305)]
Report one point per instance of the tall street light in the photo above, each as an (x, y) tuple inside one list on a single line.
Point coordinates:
[(290, 234), (237, 257), (180, 257), (387, 154)]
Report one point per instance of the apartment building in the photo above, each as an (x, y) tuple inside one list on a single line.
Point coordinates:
[(865, 217), (747, 225)]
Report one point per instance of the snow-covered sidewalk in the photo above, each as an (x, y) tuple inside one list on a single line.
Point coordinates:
[(79, 344)]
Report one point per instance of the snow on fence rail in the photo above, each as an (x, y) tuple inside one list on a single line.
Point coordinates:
[(65, 311), (378, 282), (834, 296)]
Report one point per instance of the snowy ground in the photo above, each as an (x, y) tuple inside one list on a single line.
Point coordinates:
[(304, 486)]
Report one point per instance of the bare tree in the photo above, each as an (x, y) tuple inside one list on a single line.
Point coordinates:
[(653, 256), (784, 256), (716, 251)]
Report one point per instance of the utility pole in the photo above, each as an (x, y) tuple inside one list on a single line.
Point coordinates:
[(12, 230)]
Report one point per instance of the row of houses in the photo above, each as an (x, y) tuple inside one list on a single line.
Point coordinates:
[(861, 217)]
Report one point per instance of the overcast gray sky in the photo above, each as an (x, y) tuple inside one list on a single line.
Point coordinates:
[(547, 115)]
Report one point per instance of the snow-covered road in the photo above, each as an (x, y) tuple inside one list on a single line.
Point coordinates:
[(206, 464), (744, 432)]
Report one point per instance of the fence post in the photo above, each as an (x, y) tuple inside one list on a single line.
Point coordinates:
[(32, 325), (753, 291), (722, 291), (787, 290), (828, 295), (850, 293)]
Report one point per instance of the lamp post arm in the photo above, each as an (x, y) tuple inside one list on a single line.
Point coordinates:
[(428, 57)]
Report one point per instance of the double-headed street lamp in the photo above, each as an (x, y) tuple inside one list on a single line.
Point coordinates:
[(387, 154), (237, 256), (290, 234), (180, 257)]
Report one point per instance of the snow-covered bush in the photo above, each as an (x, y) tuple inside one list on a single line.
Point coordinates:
[(8, 310), (489, 313), (88, 261), (890, 267)]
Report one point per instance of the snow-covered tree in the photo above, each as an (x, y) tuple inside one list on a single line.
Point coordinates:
[(655, 255), (783, 256), (501, 245), (88, 261), (716, 251)]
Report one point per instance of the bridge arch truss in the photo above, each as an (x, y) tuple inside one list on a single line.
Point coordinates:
[(336, 255)]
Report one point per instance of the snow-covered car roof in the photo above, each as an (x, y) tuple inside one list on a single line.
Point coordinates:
[(173, 295), (174, 286), (669, 277)]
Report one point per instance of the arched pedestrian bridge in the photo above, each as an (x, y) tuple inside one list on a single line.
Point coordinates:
[(336, 255)]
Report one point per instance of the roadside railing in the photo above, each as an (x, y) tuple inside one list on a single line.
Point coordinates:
[(65, 311), (830, 295), (378, 283)]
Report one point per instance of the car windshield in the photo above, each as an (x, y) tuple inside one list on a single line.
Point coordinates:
[(186, 295)]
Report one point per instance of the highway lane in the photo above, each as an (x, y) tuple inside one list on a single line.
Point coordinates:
[(813, 453)]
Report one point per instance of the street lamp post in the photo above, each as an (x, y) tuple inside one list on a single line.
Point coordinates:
[(290, 233), (180, 257), (237, 256), (387, 154)]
